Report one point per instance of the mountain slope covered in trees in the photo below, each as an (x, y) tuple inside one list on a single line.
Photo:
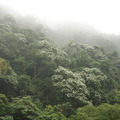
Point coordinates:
[(39, 81)]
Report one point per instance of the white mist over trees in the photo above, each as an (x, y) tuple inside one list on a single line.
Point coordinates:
[(63, 31), (103, 14)]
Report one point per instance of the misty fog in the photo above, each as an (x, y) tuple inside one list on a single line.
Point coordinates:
[(65, 31)]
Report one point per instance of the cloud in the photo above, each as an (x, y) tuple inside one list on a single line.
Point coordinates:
[(103, 14)]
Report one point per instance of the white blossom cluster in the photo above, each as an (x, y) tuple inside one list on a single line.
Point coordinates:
[(71, 84), (6, 26), (21, 37), (81, 46), (53, 52), (95, 51), (93, 74), (74, 84)]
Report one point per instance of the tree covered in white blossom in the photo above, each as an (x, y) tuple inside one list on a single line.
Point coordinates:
[(70, 84)]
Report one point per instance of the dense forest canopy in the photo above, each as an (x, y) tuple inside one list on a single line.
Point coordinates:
[(40, 81)]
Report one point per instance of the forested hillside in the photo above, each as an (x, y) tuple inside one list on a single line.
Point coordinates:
[(85, 34), (39, 81)]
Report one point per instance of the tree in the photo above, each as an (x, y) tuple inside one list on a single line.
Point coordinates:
[(80, 59), (25, 86), (8, 82), (94, 80), (102, 112), (23, 109), (7, 117), (3, 104), (52, 113), (70, 85), (3, 66)]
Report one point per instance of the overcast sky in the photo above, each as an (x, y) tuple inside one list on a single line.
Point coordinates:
[(103, 14)]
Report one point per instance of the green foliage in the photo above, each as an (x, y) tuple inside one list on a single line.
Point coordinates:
[(19, 65), (52, 113), (6, 117), (3, 66), (114, 96), (67, 109), (9, 82), (25, 86), (93, 79), (35, 73), (3, 104), (9, 49), (57, 55), (95, 52), (102, 112), (113, 55), (80, 59), (23, 109), (70, 84), (44, 66)]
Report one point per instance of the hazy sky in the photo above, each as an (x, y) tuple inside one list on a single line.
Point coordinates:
[(103, 14)]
